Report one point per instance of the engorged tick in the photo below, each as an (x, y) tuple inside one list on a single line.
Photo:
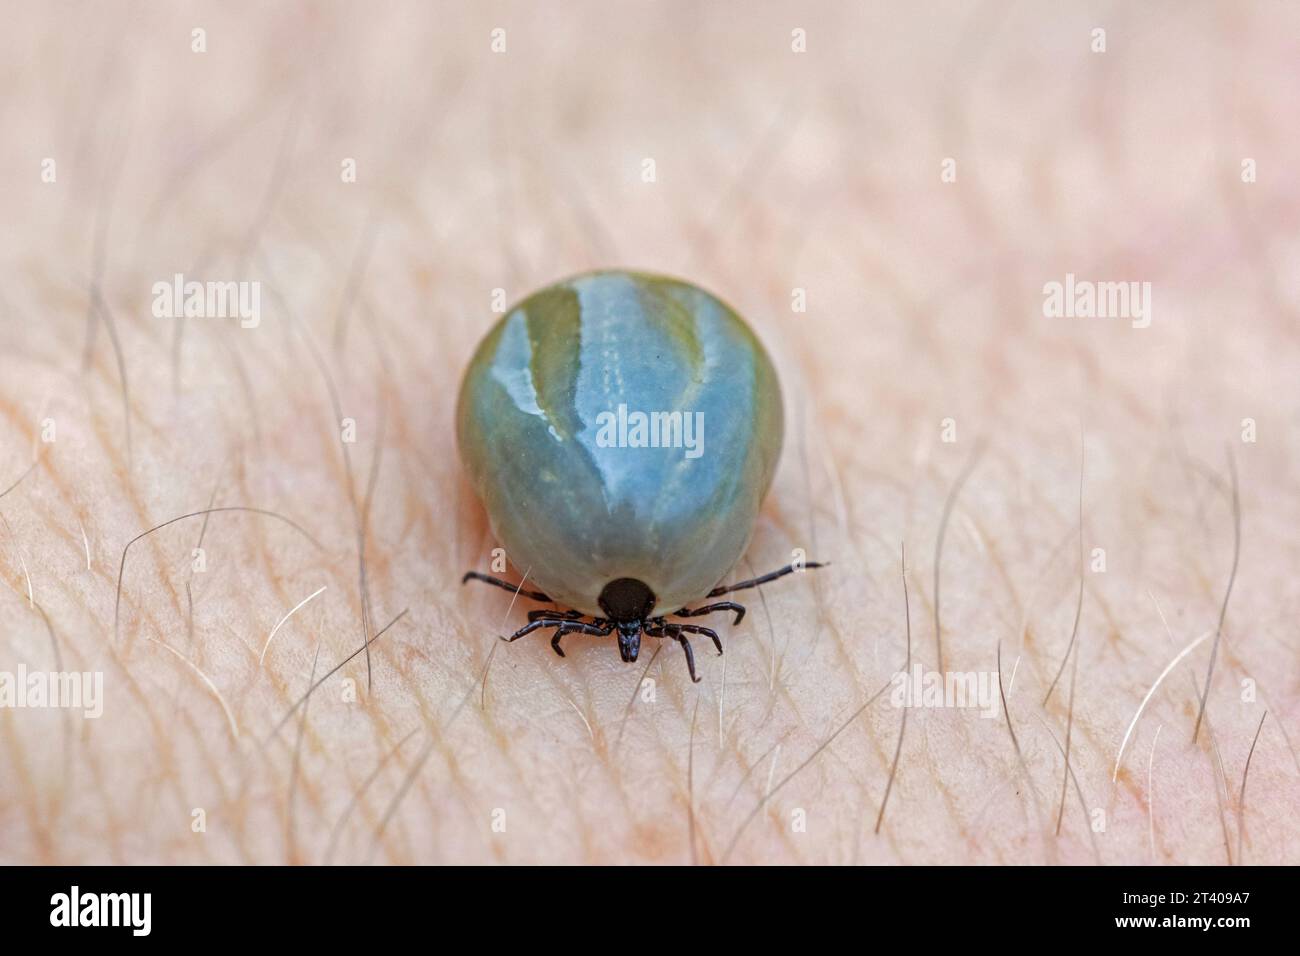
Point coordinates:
[(582, 422)]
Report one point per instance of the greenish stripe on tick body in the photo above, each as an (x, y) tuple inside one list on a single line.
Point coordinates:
[(554, 326)]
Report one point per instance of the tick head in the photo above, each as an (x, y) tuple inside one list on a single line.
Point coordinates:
[(627, 602)]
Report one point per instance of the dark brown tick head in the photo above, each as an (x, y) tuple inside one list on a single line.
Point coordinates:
[(627, 602)]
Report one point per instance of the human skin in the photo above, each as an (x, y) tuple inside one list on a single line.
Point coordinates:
[(774, 171)]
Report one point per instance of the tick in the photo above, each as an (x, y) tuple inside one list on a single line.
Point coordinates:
[(621, 430)]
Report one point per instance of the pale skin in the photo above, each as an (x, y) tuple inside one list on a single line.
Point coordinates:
[(921, 375)]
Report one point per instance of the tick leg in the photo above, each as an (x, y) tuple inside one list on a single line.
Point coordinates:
[(761, 579), (659, 628), (530, 627), (565, 625), (676, 635), (714, 608), (504, 585), (536, 614), (706, 631), (551, 621), (569, 627)]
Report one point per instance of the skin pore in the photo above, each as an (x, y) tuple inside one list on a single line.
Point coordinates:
[(1063, 485)]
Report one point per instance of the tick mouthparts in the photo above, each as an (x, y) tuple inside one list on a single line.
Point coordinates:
[(629, 645)]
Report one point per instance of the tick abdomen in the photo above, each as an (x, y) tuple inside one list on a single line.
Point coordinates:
[(619, 425)]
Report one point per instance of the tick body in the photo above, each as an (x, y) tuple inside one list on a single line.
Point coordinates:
[(621, 430)]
